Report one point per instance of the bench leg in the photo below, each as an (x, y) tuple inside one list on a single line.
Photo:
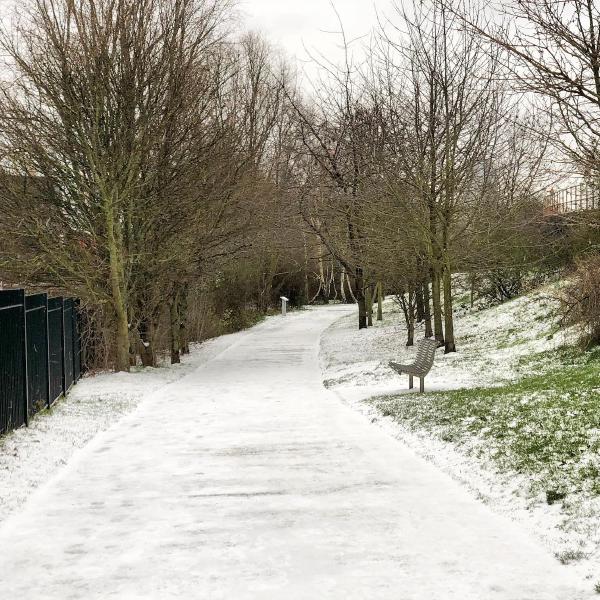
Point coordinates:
[(422, 384), (410, 382)]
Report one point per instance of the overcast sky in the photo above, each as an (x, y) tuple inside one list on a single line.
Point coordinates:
[(292, 24)]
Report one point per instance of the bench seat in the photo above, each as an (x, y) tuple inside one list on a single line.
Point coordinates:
[(422, 365)]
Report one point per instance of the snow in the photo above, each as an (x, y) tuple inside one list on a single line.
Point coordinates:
[(248, 479), (356, 363), (30, 456), (491, 343)]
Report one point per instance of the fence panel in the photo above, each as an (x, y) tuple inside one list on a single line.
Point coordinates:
[(69, 341), (77, 334), (55, 347), (40, 353), (36, 310), (13, 360), (577, 198)]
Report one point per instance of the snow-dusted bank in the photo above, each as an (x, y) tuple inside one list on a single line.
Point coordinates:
[(31, 456), (512, 416), (248, 479)]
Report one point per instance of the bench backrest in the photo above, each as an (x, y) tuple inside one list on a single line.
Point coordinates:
[(426, 354)]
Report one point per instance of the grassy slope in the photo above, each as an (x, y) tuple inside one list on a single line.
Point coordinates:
[(535, 420), (516, 415), (545, 426)]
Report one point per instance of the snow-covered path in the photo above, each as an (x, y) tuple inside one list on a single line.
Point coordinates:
[(247, 479)]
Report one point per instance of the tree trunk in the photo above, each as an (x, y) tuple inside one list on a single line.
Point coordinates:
[(449, 345), (359, 294), (184, 344), (117, 290), (438, 330), (410, 340), (369, 307), (306, 282), (380, 301), (350, 289), (420, 303), (174, 328), (335, 292), (343, 285), (322, 280), (427, 309), (121, 339), (132, 353), (147, 353), (407, 304)]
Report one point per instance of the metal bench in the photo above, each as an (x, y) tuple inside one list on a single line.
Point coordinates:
[(422, 365)]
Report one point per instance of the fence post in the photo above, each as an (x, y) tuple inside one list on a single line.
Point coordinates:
[(13, 361), (48, 378), (25, 370), (68, 343), (55, 343), (76, 341), (62, 338)]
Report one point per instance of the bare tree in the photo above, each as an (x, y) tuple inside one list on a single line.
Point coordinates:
[(95, 112), (552, 49), (449, 109)]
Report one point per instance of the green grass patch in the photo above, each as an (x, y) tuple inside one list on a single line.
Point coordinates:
[(545, 426)]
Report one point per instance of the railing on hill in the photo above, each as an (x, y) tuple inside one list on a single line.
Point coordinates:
[(40, 354), (577, 198)]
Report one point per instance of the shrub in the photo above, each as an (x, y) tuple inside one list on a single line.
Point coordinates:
[(502, 284), (580, 300)]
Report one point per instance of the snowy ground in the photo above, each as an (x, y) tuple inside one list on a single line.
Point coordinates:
[(30, 456), (491, 343), (248, 479), (498, 346)]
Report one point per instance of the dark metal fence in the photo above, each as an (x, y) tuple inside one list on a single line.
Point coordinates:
[(55, 348), (76, 342), (68, 342), (40, 354), (36, 312), (13, 360)]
